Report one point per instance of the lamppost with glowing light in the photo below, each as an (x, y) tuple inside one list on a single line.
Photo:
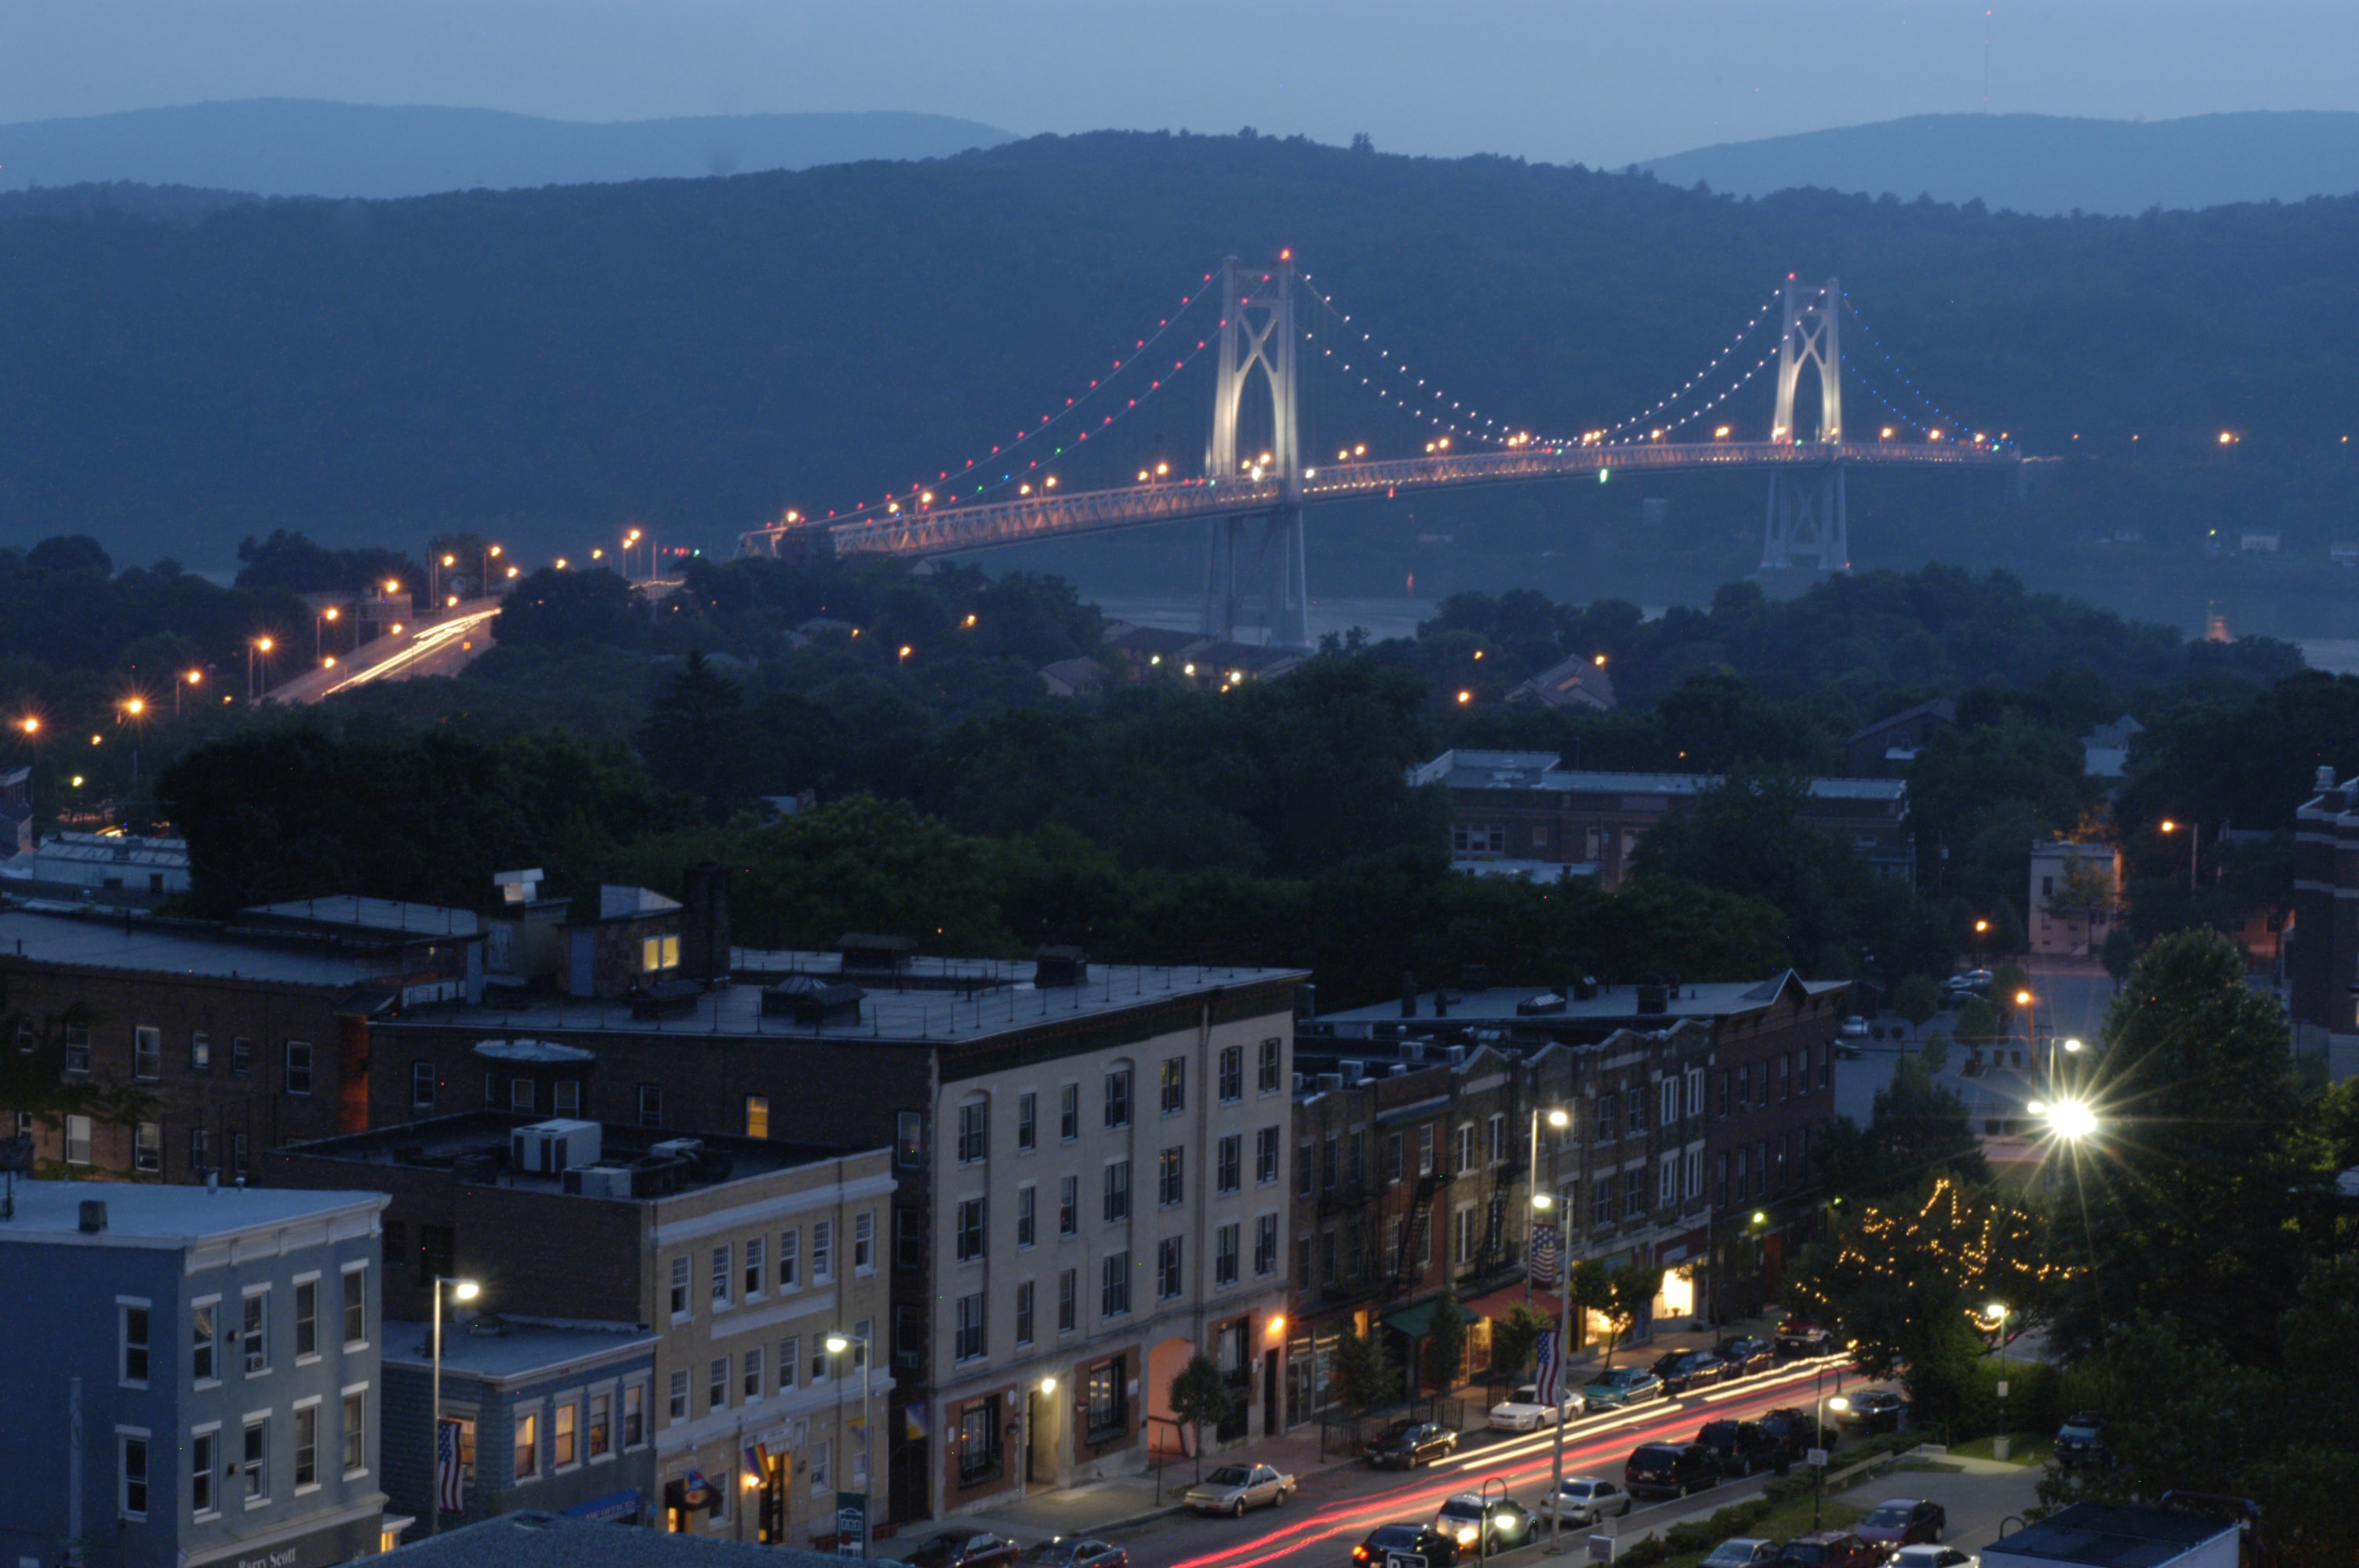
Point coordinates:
[(260, 647), (318, 623), (1819, 1444), (187, 678), (465, 1291), (2194, 846), (837, 1344), (135, 708), (1540, 1200), (1998, 1311)]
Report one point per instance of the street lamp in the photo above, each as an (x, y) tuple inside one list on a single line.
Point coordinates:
[(319, 624), (2194, 846), (460, 1289), (1819, 1438), (1997, 1311), (1540, 1200), (837, 1344), (135, 708), (261, 647)]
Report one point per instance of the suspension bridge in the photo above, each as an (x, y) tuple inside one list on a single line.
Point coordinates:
[(1254, 494)]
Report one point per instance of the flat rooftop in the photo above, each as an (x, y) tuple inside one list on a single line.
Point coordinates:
[(2099, 1535), (105, 941), (929, 998), (504, 1348), (138, 1215), (1504, 1004), (347, 912), (441, 1142), (1465, 769)]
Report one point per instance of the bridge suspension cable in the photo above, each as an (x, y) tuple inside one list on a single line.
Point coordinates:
[(1609, 434), (1375, 375), (1941, 419)]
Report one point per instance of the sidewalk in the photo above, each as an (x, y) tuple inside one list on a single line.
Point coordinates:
[(1097, 1506)]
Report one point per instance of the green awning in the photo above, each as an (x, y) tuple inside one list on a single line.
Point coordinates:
[(1413, 1321)]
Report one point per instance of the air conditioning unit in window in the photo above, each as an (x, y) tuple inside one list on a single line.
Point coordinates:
[(600, 1181), (552, 1148)]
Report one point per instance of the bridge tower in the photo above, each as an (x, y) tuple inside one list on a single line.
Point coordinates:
[(1258, 338), (1806, 524)]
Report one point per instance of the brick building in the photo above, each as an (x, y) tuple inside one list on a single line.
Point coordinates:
[(1090, 1164), (233, 1037), (2322, 948), (1527, 807), (742, 1254)]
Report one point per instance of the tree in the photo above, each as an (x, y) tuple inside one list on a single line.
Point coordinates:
[(2121, 953), (1200, 1398), (1514, 1338), (1917, 1129), (1588, 1283), (1445, 1343), (1979, 1026), (550, 608), (1629, 1295), (691, 739), (1365, 1377), (1916, 998), (1934, 1052)]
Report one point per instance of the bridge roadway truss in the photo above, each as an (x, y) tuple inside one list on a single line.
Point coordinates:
[(1805, 527)]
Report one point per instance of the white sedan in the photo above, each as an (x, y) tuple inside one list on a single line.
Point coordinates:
[(1526, 1411), (1233, 1488)]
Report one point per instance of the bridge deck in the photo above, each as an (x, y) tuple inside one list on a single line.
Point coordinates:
[(937, 530)]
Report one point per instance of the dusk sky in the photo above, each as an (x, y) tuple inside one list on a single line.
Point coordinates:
[(1601, 83)]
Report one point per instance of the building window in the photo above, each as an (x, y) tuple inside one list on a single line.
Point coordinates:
[(1117, 1190), (521, 1096), (749, 1378), (1601, 1201), (298, 1067), (1170, 1180), (757, 1116), (256, 1466), (1425, 1150), (1720, 1180), (1167, 1282), (791, 1250), (200, 1051), (910, 1136), (1634, 1193), (421, 1086), (909, 1238), (131, 1472), (1068, 1301), (1226, 1249), (1069, 1206), (791, 1356), (1269, 1064), (1498, 1138), (1723, 1093), (1266, 1156), (254, 1334), (241, 1052), (1027, 1120), (970, 1229), (1670, 1091), (1465, 1147), (237, 1156), (1478, 838), (1634, 1102), (822, 1454), (1692, 1186), (568, 1098), (306, 1318), (680, 1306), (1329, 1162), (1393, 1156), (1117, 1098), (1302, 1281), (132, 1320), (1069, 1113), (634, 1415), (1695, 1091), (974, 1134), (967, 1343), (1229, 1165), (1024, 1313), (203, 1498), (716, 1384), (201, 1341), (978, 1441), (147, 1147), (601, 1426), (78, 1048), (1026, 1197), (1306, 1170), (526, 1447), (1232, 1074), (756, 1273), (679, 1405), (1356, 1158), (658, 954), (1266, 1245), (822, 1251), (77, 1141), (200, 1151), (650, 1105), (1175, 1085), (721, 1257), (1461, 1234), (307, 1447), (355, 1434), (1106, 1400), (146, 1054), (1113, 1286), (1667, 1180), (1785, 1078)]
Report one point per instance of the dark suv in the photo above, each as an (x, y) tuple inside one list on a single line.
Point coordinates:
[(1828, 1549), (1748, 1355), (1740, 1447), (1797, 1432), (2082, 1441), (1669, 1469), (1406, 1444), (1691, 1370)]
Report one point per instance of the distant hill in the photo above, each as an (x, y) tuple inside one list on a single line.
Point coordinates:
[(2046, 164), (297, 146), (182, 203)]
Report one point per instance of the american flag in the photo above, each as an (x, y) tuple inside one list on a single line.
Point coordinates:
[(1543, 1269), (450, 1475), (1550, 1376)]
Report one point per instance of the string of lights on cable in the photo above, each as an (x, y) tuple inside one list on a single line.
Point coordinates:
[(1658, 432), (1941, 419), (1647, 416), (1417, 396), (1033, 437)]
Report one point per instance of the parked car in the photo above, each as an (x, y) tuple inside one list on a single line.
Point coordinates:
[(1828, 1549), (1875, 1410), (1526, 1411), (1585, 1499), (1669, 1469), (963, 1549), (1623, 1385), (1796, 1430), (1477, 1523), (1748, 1354), (1691, 1370), (1406, 1444), (1076, 1552), (1853, 1028), (1740, 1447), (1234, 1489), (1804, 1336), (1931, 1557), (1741, 1552), (2082, 1441), (1902, 1521), (1388, 1542)]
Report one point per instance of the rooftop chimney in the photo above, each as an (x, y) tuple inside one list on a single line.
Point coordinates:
[(704, 935), (1409, 994)]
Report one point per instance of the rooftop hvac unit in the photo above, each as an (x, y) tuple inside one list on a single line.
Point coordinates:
[(1354, 1071), (551, 1148), (600, 1181), (1457, 1055), (678, 1148), (1299, 1083), (1331, 1081), (1412, 1050)]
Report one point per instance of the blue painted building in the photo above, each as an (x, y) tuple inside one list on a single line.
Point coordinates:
[(192, 1374)]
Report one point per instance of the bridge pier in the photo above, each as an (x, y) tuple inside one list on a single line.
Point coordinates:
[(1251, 583), (1806, 526)]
